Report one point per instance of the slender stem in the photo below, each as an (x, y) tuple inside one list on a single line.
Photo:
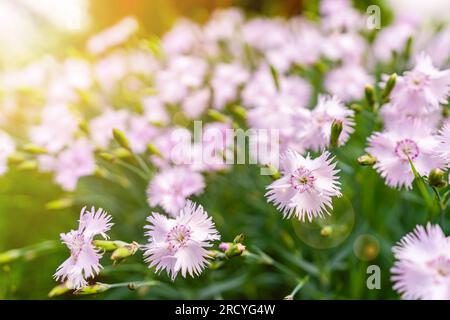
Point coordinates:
[(135, 285), (441, 206), (136, 170), (300, 285), (143, 164)]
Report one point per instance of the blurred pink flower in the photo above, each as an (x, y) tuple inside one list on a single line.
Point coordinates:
[(101, 127), (261, 91), (225, 82), (422, 267), (306, 186), (348, 81), (422, 87), (314, 127), (180, 244), (84, 260), (56, 130), (73, 163), (393, 147), (182, 38), (154, 110), (196, 103), (7, 148), (392, 39), (172, 187), (140, 133)]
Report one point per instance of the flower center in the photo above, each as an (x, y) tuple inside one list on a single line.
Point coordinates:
[(302, 180), (178, 236), (441, 265), (407, 149), (417, 80), (76, 245)]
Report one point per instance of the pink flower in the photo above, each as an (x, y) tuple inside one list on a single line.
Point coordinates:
[(392, 149), (101, 127), (225, 83), (315, 128), (306, 187), (73, 163), (422, 267), (196, 103), (7, 148), (171, 188), (348, 82), (261, 91), (392, 39), (140, 133), (180, 244), (182, 38), (154, 110), (84, 260), (424, 87), (56, 129)]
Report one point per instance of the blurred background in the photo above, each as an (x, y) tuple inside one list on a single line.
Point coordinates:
[(31, 29)]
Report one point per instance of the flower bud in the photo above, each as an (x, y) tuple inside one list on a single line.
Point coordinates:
[(367, 160), (122, 153), (240, 111), (336, 130), (370, 95), (326, 231), (436, 178), (390, 84), (59, 204), (105, 245), (153, 150), (27, 165), (10, 256), (217, 116), (106, 156), (124, 251), (59, 290), (34, 149), (235, 250), (276, 78), (121, 139), (84, 127), (93, 289)]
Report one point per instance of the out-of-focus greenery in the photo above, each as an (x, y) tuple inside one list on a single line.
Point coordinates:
[(236, 202)]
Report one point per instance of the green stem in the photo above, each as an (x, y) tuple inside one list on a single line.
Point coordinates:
[(300, 285), (135, 285), (136, 170), (441, 206)]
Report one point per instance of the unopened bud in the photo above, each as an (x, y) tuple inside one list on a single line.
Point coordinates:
[(239, 238), (121, 139), (217, 116), (390, 84), (105, 245), (93, 289), (107, 156), (436, 178), (10, 256), (123, 153), (59, 204), (125, 251), (84, 127), (370, 95), (326, 231), (367, 160), (235, 250), (356, 107), (28, 165), (275, 77), (34, 149), (240, 111), (59, 290), (153, 150), (336, 130)]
